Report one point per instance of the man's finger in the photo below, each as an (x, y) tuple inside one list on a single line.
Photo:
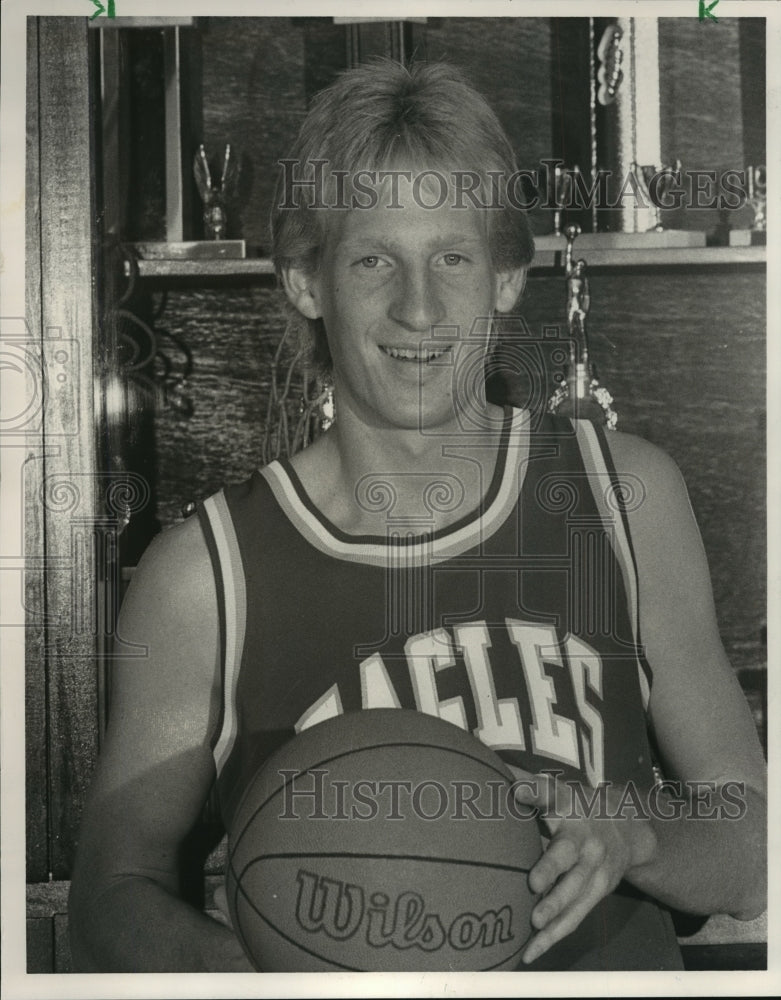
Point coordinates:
[(567, 891), (588, 895), (562, 855)]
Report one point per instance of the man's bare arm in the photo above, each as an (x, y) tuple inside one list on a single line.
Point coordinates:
[(153, 776), (699, 715), (702, 725)]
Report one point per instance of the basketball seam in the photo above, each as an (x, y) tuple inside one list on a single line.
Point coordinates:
[(278, 855), (240, 890), (347, 753)]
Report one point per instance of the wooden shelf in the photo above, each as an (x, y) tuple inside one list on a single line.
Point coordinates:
[(546, 258), (205, 268), (653, 257)]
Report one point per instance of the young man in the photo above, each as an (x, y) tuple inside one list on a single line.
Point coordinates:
[(430, 551)]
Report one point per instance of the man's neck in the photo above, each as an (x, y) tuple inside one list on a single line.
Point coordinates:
[(364, 479)]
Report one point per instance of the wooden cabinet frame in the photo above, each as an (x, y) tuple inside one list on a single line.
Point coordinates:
[(62, 533)]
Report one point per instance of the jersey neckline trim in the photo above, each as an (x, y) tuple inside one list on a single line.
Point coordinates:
[(402, 546)]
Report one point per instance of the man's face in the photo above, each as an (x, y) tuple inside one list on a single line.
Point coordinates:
[(406, 295)]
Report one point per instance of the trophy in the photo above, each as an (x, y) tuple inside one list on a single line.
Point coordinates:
[(579, 394), (563, 183), (655, 183), (215, 199), (757, 195)]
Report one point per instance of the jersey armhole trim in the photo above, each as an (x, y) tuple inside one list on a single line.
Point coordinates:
[(224, 550), (211, 547), (609, 497)]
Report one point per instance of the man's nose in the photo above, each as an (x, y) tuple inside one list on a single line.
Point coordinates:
[(416, 303)]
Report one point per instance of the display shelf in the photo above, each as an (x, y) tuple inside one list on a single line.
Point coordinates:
[(644, 256), (205, 268), (597, 251)]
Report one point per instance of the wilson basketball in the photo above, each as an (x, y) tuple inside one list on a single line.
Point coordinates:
[(382, 840)]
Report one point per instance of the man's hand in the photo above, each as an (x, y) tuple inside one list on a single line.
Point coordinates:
[(585, 858)]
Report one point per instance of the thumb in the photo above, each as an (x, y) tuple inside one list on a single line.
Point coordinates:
[(535, 790)]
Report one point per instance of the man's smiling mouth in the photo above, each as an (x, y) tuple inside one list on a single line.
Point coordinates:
[(409, 354)]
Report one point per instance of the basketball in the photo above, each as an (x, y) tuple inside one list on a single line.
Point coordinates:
[(382, 840)]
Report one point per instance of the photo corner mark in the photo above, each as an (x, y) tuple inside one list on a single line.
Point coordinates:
[(107, 10), (705, 11)]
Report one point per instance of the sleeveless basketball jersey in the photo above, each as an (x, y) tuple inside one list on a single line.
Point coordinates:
[(518, 622)]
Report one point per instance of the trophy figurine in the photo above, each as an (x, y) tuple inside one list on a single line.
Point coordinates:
[(656, 182), (580, 395), (563, 182), (757, 196), (215, 199)]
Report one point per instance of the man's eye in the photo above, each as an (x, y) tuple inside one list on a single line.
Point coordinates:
[(452, 258), (371, 261)]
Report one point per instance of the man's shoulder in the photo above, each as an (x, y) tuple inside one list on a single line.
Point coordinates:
[(658, 506), (179, 548), (653, 466), (174, 575), (648, 470)]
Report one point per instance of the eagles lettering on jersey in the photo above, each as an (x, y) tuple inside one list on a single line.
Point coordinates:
[(577, 742)]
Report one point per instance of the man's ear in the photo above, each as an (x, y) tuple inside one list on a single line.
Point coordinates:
[(509, 285), (301, 289)]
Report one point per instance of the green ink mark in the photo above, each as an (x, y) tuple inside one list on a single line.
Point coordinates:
[(704, 11), (100, 9)]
